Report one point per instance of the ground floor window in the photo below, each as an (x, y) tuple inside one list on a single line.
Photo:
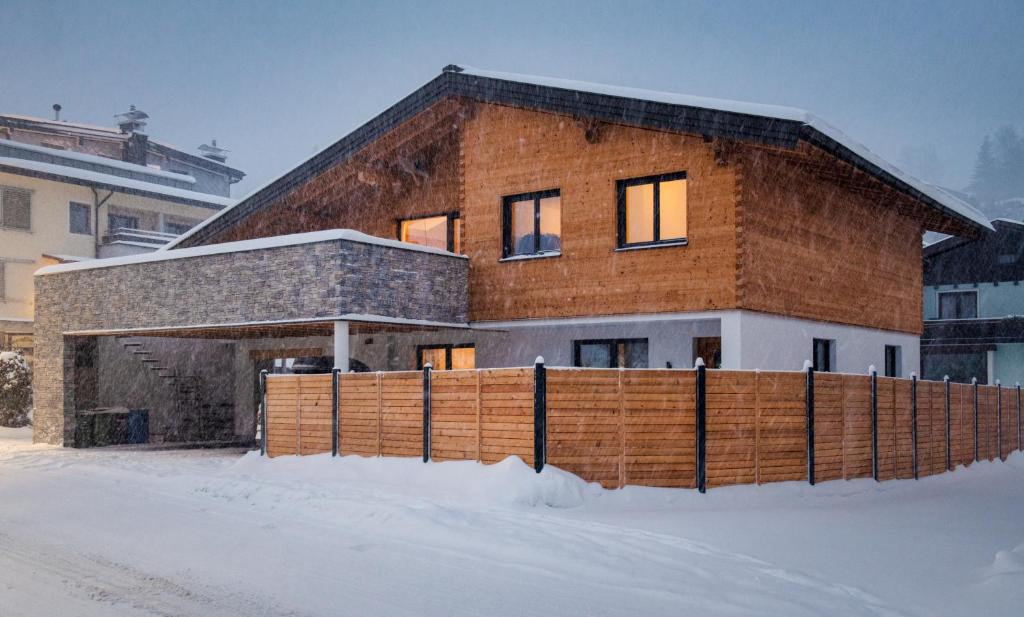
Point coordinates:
[(709, 349), (824, 355), (611, 353), (893, 360), (446, 357)]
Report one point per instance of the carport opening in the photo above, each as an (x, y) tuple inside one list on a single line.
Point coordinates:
[(199, 387)]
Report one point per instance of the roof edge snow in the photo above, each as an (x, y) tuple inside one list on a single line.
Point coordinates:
[(242, 246)]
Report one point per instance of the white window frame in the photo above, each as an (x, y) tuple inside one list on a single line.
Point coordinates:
[(938, 304)]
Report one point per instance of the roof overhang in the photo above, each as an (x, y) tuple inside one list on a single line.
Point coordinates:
[(768, 125)]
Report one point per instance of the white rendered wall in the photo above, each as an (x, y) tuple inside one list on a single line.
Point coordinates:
[(770, 342)]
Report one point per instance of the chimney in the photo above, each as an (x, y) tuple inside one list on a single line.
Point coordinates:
[(132, 121), (56, 111), (214, 152), (135, 149)]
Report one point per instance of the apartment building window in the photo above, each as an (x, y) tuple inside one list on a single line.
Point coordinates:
[(893, 360), (958, 304), (122, 221), (652, 210), (80, 218), (15, 208), (823, 355), (177, 229), (441, 231), (446, 357), (532, 224), (610, 353)]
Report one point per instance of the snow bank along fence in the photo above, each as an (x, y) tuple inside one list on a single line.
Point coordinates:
[(693, 428)]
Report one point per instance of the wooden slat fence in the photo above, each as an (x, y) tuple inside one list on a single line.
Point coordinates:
[(624, 427)]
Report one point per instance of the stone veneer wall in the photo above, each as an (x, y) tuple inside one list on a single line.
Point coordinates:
[(306, 281)]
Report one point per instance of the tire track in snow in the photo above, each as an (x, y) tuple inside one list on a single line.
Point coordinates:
[(123, 589)]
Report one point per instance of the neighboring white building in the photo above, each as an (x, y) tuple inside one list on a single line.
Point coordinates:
[(73, 192)]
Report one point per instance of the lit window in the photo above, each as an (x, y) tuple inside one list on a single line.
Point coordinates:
[(441, 232), (652, 210), (80, 216), (611, 353), (446, 357), (15, 208), (532, 224)]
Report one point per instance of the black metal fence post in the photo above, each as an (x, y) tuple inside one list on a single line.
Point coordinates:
[(874, 423), (999, 420), (974, 382), (540, 414), (263, 412), (701, 425), (809, 399), (913, 420), (949, 455), (335, 426), (426, 412)]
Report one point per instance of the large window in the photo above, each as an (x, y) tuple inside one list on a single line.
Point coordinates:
[(15, 208), (446, 357), (893, 361), (652, 210), (958, 305), (122, 221), (80, 218), (440, 232), (532, 224), (611, 353), (176, 227)]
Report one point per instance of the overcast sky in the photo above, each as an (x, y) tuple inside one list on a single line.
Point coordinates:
[(918, 82)]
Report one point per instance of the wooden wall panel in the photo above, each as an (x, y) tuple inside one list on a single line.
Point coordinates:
[(986, 423), (733, 412), (359, 412), (818, 249), (282, 415), (904, 429), (455, 415), (315, 415), (506, 151), (1008, 434), (782, 427), (659, 428), (959, 425), (401, 418), (828, 427), (584, 423), (506, 414), (886, 428), (857, 426)]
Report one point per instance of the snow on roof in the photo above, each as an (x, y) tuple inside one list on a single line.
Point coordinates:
[(64, 123), (97, 160), (754, 109), (246, 245), (116, 181)]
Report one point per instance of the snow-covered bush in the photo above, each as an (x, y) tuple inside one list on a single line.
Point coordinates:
[(15, 389)]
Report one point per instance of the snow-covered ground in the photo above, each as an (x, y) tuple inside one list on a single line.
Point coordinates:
[(215, 533)]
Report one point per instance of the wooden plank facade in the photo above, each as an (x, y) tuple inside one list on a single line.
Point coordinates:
[(638, 426)]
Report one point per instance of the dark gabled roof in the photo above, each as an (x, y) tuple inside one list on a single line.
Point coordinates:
[(994, 257), (764, 124)]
